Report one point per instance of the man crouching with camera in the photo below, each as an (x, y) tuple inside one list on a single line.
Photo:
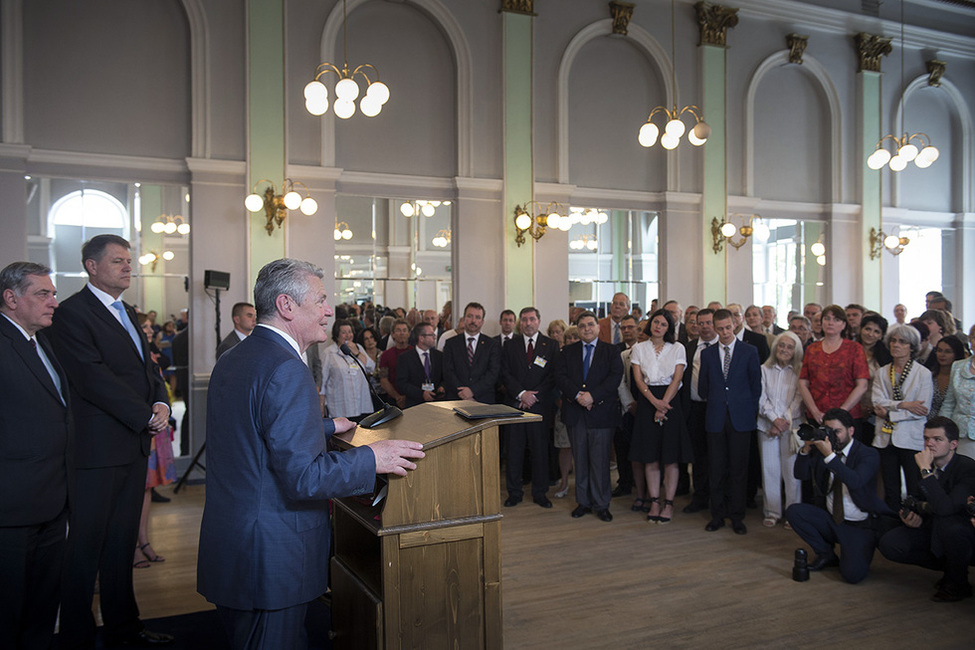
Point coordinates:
[(845, 471), (936, 533)]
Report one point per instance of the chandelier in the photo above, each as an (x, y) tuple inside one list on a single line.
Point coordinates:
[(276, 205), (420, 206), (588, 242), (346, 88), (442, 238), (342, 231), (170, 224)]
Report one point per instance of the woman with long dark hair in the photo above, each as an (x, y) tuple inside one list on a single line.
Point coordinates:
[(948, 350)]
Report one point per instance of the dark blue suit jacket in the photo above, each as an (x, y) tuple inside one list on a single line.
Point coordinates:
[(410, 374), (519, 373), (265, 532), (34, 432), (738, 395), (603, 381), (481, 376), (858, 474)]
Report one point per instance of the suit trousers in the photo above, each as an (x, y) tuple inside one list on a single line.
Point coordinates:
[(590, 454), (30, 572), (700, 471), (856, 539), (265, 629), (892, 460), (728, 457), (910, 546), (534, 436), (621, 442), (102, 534), (955, 541), (778, 462)]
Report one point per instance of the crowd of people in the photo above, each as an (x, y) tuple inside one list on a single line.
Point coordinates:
[(858, 430)]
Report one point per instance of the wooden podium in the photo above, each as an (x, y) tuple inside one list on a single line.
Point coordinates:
[(422, 568)]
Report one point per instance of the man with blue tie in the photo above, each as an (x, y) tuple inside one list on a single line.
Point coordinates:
[(265, 532), (34, 438), (118, 403), (731, 382), (588, 374)]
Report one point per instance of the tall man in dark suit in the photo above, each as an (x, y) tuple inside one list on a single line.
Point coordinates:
[(697, 407), (527, 372), (264, 537), (34, 436), (118, 404), (245, 318), (472, 361), (419, 372), (854, 516), (928, 539), (588, 374), (731, 381)]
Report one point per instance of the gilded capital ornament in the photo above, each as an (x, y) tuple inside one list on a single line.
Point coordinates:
[(622, 12), (714, 21), (519, 6), (797, 45), (936, 70), (870, 48)]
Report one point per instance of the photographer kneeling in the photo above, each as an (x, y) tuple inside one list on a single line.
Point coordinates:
[(936, 533), (845, 471)]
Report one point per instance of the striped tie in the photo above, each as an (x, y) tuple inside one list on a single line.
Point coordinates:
[(727, 361), (470, 350)]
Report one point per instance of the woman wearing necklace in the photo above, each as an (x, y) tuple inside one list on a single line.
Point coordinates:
[(948, 351), (902, 393), (659, 434)]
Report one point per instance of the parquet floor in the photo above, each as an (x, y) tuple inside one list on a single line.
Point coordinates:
[(627, 584)]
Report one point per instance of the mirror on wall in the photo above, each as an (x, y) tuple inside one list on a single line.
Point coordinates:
[(63, 213)]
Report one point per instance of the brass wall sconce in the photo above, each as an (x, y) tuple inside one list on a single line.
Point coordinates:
[(532, 219), (442, 238), (342, 231), (727, 231), (276, 206), (170, 224), (151, 259), (894, 244)]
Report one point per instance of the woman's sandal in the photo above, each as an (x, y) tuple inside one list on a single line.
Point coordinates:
[(666, 520), (151, 558), (637, 505), (653, 519)]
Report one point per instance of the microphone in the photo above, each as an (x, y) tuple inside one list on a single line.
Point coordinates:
[(387, 412)]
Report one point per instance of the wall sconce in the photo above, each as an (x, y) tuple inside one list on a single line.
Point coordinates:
[(152, 258), (442, 238), (346, 89), (421, 206), (894, 244), (169, 224), (534, 220), (588, 242), (276, 206), (342, 231), (726, 231)]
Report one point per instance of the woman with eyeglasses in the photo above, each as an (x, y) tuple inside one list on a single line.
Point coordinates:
[(902, 392)]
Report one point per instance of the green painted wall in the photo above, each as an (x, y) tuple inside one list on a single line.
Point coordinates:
[(870, 188), (714, 199)]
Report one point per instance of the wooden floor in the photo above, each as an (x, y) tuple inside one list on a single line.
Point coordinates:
[(583, 583)]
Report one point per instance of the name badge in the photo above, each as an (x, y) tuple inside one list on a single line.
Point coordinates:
[(428, 386), (540, 362), (352, 364)]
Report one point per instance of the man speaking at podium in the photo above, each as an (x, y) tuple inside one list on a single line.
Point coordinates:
[(265, 533)]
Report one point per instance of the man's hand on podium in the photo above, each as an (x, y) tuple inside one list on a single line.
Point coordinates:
[(392, 456)]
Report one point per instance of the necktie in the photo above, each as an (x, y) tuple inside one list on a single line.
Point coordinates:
[(586, 358), (531, 351), (47, 366), (426, 364), (727, 360), (127, 324), (616, 333), (838, 514), (470, 350)]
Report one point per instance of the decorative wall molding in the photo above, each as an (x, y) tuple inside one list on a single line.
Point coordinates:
[(465, 83), (519, 6), (869, 48), (936, 70), (644, 42), (714, 21), (622, 13), (12, 72), (817, 71), (199, 78), (797, 45)]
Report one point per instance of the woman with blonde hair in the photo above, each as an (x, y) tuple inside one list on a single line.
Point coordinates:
[(779, 414)]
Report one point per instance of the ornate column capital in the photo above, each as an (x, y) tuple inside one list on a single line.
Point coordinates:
[(797, 45), (936, 70), (622, 12), (714, 21), (870, 48), (519, 6)]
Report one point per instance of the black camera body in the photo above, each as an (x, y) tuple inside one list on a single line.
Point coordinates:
[(810, 433), (970, 508), (915, 505)]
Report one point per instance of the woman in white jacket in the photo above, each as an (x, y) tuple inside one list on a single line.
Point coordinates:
[(779, 412), (902, 392)]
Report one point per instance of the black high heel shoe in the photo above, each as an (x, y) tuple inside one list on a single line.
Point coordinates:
[(653, 519), (666, 520)]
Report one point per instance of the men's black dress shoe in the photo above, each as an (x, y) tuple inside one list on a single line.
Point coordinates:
[(824, 561), (604, 515), (511, 501), (620, 491), (714, 525), (692, 508), (739, 527), (143, 639), (544, 502), (949, 593), (580, 511), (158, 498)]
